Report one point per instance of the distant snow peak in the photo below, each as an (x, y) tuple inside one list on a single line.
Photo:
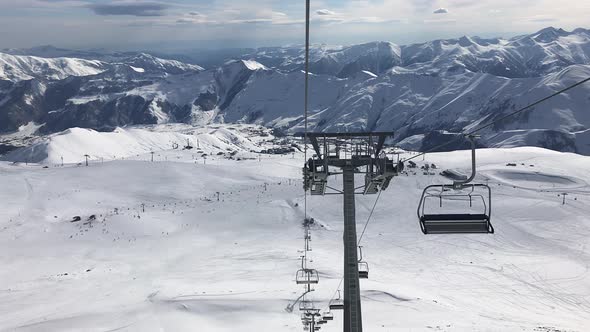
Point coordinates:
[(137, 69), (248, 64), (20, 67), (369, 73), (253, 65), (549, 34), (150, 63)]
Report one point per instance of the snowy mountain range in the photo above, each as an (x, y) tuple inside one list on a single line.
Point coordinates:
[(424, 92)]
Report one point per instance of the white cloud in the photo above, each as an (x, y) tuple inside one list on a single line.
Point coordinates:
[(441, 11), (325, 12), (137, 8), (399, 21)]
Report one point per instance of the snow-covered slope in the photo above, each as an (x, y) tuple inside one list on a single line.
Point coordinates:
[(417, 104), (74, 143), (18, 68), (163, 253), (146, 62), (273, 98)]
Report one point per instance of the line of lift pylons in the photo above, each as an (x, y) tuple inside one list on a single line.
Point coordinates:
[(311, 317)]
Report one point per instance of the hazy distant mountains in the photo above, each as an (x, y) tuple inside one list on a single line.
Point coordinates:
[(416, 90)]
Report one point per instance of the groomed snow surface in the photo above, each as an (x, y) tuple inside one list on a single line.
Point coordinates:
[(186, 261)]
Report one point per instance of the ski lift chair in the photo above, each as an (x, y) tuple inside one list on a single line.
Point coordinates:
[(309, 311), (363, 270), (363, 266), (316, 176), (372, 184), (385, 170), (307, 276), (305, 319), (327, 316), (307, 307), (337, 304), (317, 328), (389, 170), (457, 223)]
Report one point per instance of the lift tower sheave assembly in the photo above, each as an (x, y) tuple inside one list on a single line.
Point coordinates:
[(349, 154)]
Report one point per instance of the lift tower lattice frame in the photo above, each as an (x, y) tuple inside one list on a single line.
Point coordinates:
[(351, 153)]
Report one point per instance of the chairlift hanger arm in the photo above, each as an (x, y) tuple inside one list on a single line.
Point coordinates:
[(316, 146), (460, 183), (290, 306), (380, 144)]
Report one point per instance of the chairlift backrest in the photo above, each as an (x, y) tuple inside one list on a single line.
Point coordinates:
[(336, 304), (328, 316), (307, 276)]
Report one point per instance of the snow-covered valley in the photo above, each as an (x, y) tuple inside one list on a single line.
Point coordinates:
[(210, 241)]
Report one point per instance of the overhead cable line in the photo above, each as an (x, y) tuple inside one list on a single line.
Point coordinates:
[(369, 218), (306, 93), (472, 132)]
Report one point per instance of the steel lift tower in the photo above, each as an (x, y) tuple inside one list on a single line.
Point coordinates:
[(349, 154)]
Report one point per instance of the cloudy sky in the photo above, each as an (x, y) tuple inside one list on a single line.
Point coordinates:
[(130, 24)]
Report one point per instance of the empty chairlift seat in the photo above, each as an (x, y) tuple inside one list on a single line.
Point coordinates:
[(363, 267), (307, 276), (310, 310), (456, 223), (470, 222), (337, 304), (363, 270)]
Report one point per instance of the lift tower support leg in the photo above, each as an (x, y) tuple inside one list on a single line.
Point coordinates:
[(349, 152), (352, 298)]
